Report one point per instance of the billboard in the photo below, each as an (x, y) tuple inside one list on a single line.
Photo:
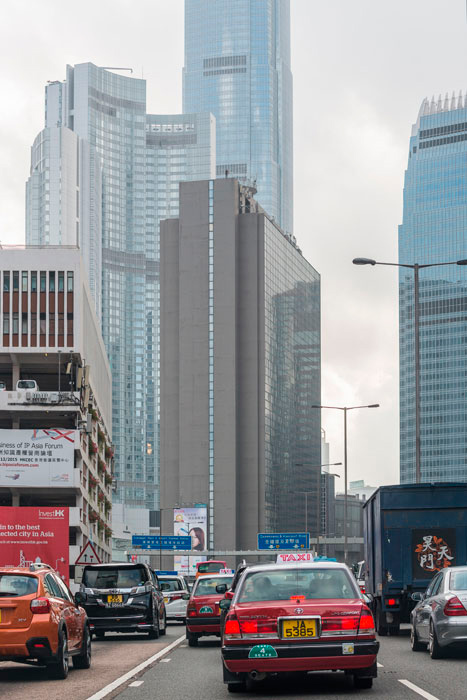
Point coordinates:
[(32, 535), (38, 457), (433, 549), (191, 521)]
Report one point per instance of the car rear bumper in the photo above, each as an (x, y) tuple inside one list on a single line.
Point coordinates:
[(452, 631), (203, 625), (307, 657), (33, 648), (120, 624)]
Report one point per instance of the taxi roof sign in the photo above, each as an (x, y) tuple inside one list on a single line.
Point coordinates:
[(294, 557)]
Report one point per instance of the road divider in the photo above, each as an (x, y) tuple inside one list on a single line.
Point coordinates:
[(134, 671)]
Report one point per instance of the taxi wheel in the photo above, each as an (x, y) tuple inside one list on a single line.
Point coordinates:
[(239, 687), (59, 669), (163, 629), (192, 639), (83, 660), (363, 683)]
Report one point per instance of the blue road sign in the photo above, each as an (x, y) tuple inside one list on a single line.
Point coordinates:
[(164, 542), (283, 540)]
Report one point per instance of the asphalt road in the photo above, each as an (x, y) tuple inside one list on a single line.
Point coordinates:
[(191, 673), (112, 657)]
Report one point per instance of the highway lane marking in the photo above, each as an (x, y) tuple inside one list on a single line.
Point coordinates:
[(136, 684), (165, 661), (416, 689), (134, 671), (379, 665)]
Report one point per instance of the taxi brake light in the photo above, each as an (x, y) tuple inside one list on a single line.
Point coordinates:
[(454, 608), (39, 606), (339, 624), (367, 625), (232, 628)]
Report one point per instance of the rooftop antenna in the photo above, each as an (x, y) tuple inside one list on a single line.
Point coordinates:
[(116, 68)]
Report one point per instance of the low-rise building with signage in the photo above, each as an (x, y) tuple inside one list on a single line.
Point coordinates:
[(55, 399)]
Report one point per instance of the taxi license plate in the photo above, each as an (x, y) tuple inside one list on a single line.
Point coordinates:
[(298, 629), (115, 599)]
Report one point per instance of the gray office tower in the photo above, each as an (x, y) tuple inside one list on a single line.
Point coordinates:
[(237, 66), (240, 368), (120, 195)]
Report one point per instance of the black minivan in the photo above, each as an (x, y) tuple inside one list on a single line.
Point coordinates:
[(121, 597)]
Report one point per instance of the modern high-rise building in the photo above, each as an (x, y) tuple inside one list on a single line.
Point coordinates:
[(64, 199), (141, 158), (240, 368), (434, 230), (237, 66)]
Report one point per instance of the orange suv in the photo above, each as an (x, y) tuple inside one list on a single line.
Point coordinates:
[(40, 620)]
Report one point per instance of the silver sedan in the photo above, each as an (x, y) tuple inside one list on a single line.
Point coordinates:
[(439, 620)]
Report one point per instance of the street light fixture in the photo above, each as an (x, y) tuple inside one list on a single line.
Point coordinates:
[(345, 409), (416, 267)]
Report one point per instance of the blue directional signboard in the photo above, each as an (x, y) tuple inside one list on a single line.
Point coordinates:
[(164, 542), (283, 540)]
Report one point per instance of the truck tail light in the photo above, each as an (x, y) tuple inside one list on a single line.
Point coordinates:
[(232, 628), (454, 607), (367, 624), (39, 606), (391, 602)]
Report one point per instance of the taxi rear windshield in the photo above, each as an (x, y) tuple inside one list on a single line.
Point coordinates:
[(171, 584), (207, 586), (211, 567), (309, 584), (114, 577), (16, 585)]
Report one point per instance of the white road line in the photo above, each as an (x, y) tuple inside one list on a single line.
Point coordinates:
[(126, 677), (420, 691), (136, 684), (379, 665), (165, 661)]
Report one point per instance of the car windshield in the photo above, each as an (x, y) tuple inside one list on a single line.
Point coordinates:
[(458, 580), (171, 584), (110, 577), (309, 584), (211, 567), (207, 585), (17, 585)]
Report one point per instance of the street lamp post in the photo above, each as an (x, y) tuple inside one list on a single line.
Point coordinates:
[(345, 409), (416, 267)]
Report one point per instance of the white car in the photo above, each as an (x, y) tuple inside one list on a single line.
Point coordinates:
[(176, 594)]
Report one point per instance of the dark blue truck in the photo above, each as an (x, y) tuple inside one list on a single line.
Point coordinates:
[(410, 532)]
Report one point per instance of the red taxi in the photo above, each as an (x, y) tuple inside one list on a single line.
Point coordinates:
[(288, 618), (202, 613)]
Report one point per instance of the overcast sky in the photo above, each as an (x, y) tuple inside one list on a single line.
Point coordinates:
[(361, 69)]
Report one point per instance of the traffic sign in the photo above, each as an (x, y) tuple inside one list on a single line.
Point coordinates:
[(87, 555), (161, 542), (283, 540)]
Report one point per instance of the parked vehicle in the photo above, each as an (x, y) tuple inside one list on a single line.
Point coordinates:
[(176, 595), (41, 622), (411, 532), (203, 613), (297, 618), (121, 597), (213, 566), (26, 385), (439, 620)]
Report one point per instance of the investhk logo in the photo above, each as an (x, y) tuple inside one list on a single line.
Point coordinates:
[(57, 513)]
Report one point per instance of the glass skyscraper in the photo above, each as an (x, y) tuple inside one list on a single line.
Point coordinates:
[(143, 158), (237, 66), (434, 229)]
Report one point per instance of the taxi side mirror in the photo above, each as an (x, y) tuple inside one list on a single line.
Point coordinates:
[(186, 596), (221, 587), (225, 604), (80, 598)]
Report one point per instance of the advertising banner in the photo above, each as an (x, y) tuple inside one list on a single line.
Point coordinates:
[(193, 522), (37, 457), (433, 549), (33, 535)]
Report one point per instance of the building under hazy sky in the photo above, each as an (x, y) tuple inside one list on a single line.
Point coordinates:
[(434, 230), (237, 66)]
